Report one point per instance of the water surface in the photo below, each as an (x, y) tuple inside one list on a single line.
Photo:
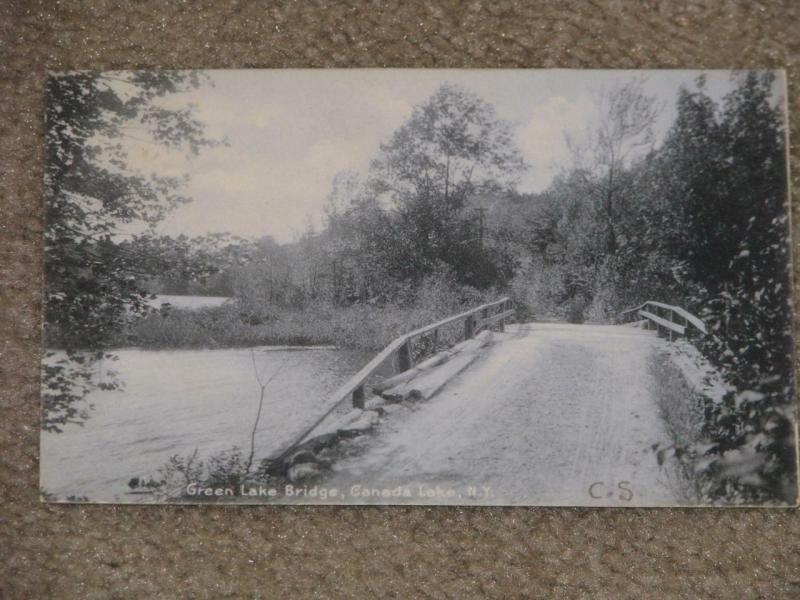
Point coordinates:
[(175, 401)]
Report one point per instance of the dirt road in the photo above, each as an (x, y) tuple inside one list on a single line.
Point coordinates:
[(551, 414)]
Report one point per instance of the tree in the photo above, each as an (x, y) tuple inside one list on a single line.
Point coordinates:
[(747, 302), (693, 162), (624, 132), (202, 266), (452, 149), (92, 279)]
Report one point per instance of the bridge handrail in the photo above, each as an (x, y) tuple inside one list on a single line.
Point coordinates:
[(689, 318), (474, 320)]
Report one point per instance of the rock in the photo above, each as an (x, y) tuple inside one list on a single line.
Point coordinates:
[(374, 403), (394, 395), (318, 443), (367, 421), (351, 417), (393, 408), (276, 468), (348, 434), (412, 395), (302, 456), (302, 472), (406, 392), (342, 422)]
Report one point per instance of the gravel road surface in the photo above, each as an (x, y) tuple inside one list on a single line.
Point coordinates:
[(551, 414)]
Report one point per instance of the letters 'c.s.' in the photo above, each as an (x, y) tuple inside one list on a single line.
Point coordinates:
[(591, 489)]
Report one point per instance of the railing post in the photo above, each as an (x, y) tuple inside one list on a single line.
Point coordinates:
[(404, 356), (671, 321), (435, 340), (400, 356), (358, 397), (469, 327)]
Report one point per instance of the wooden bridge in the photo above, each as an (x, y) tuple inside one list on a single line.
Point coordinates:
[(547, 411), (666, 319), (405, 351)]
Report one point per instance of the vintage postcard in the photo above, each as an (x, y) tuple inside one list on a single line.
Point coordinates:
[(473, 287)]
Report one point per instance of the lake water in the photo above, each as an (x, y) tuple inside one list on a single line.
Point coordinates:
[(188, 302), (177, 400)]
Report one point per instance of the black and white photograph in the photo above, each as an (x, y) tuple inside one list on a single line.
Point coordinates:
[(418, 286)]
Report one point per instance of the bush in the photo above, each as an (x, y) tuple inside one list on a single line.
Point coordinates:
[(536, 291), (227, 469), (752, 454), (363, 326)]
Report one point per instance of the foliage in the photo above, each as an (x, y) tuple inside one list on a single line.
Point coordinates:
[(435, 226), (363, 326), (418, 212), (92, 280), (624, 129), (223, 470), (419, 208), (200, 266), (700, 222), (746, 302)]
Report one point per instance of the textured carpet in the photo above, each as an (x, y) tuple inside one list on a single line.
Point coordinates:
[(212, 552)]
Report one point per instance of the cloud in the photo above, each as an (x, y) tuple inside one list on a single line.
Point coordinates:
[(287, 143), (254, 195), (285, 151), (543, 137), (292, 131)]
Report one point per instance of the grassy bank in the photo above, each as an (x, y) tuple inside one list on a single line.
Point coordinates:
[(681, 411), (359, 326)]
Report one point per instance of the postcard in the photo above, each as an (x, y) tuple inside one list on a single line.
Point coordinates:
[(470, 287)]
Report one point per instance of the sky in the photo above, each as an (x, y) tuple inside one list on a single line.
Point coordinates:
[(290, 132)]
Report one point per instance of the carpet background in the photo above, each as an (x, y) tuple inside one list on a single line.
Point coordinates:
[(213, 552)]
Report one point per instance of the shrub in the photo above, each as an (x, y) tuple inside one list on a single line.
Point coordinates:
[(752, 453), (364, 326)]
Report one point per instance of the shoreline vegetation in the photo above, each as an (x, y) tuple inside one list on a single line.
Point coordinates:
[(362, 327)]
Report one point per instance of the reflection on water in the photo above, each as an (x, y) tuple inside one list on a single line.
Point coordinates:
[(188, 302), (174, 401)]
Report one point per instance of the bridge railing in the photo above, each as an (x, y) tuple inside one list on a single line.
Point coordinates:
[(667, 319), (399, 356)]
